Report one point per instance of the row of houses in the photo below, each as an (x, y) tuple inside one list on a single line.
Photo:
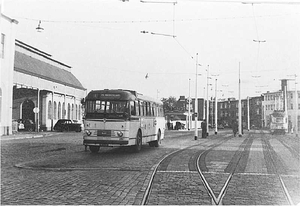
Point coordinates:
[(258, 109), (34, 85)]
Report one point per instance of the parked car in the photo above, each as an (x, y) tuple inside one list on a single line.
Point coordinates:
[(67, 125), (26, 125)]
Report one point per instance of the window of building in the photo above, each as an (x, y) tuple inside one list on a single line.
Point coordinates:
[(291, 106), (63, 111), (76, 114), (69, 110), (59, 110), (72, 112), (49, 110), (2, 45), (55, 111), (79, 112)]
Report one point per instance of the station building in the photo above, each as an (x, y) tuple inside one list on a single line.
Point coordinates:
[(33, 85), (44, 90)]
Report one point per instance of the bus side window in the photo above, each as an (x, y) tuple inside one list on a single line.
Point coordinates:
[(141, 108), (147, 108), (132, 108), (137, 108)]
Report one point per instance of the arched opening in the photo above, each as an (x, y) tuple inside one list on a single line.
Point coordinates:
[(27, 110)]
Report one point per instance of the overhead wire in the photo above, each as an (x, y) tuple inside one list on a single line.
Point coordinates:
[(149, 21)]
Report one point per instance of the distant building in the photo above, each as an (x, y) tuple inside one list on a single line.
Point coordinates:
[(275, 101), (7, 55)]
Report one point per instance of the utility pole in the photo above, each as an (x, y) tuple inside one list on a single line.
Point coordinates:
[(296, 107), (216, 109), (207, 102), (196, 101), (189, 107), (248, 113), (204, 104), (240, 103)]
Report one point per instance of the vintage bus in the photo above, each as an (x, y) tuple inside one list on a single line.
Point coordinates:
[(278, 122), (122, 118)]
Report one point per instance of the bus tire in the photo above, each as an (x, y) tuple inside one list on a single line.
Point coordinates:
[(157, 142), (138, 145), (94, 149)]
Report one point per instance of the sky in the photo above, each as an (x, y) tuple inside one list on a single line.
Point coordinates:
[(103, 42)]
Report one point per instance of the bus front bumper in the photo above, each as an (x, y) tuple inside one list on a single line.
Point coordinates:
[(105, 142)]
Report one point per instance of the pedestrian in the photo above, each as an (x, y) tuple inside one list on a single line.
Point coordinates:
[(203, 127), (234, 127)]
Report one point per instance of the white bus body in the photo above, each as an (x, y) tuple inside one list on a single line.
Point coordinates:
[(122, 118)]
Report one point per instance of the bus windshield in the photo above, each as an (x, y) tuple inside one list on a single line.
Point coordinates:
[(106, 109)]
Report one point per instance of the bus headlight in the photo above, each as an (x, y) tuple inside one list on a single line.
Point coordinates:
[(88, 132), (120, 134)]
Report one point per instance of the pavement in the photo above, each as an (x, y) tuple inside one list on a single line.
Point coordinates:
[(26, 135)]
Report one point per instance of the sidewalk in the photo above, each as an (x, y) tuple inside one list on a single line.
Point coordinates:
[(25, 135)]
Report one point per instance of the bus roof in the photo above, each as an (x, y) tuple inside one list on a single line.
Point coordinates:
[(119, 94)]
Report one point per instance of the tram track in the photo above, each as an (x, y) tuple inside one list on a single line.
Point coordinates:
[(277, 168), (244, 147), (167, 158)]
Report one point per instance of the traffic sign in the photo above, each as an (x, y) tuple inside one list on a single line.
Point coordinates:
[(36, 110)]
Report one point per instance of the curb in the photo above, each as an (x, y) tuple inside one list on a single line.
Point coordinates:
[(3, 138)]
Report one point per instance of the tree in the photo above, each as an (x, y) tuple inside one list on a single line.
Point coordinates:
[(169, 104)]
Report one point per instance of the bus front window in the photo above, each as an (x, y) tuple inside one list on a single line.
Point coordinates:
[(107, 109)]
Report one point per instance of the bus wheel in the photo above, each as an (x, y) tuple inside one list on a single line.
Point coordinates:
[(157, 142), (94, 149), (138, 145)]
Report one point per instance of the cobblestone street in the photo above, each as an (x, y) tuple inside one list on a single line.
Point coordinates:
[(56, 170)]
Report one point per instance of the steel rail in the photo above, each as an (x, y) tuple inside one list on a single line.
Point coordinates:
[(287, 195), (148, 189), (218, 200), (210, 192)]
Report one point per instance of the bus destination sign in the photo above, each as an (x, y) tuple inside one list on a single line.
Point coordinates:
[(108, 96)]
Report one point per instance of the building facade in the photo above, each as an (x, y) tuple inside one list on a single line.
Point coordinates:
[(276, 101), (7, 31), (44, 90)]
